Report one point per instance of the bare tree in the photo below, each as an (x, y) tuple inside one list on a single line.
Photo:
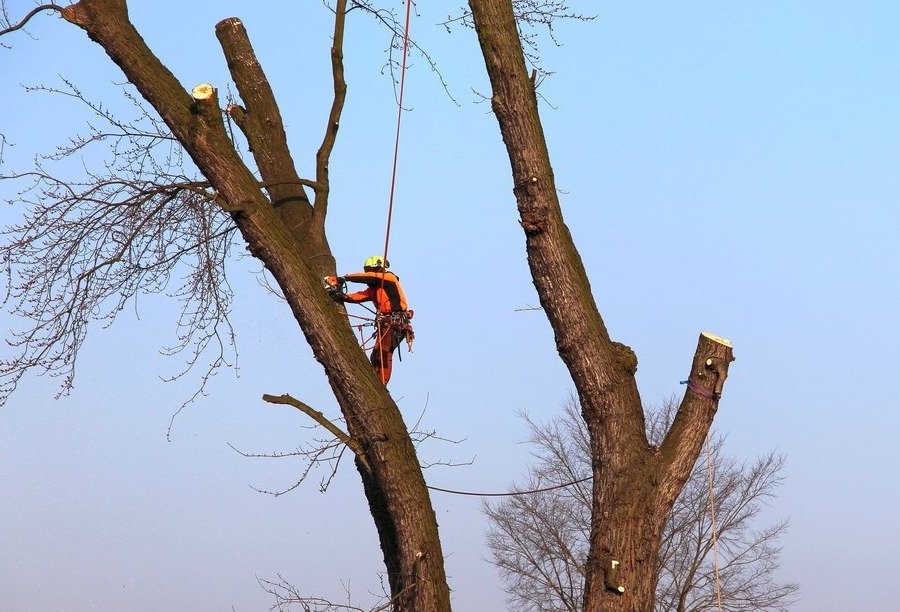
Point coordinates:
[(635, 483), (539, 540), (86, 247)]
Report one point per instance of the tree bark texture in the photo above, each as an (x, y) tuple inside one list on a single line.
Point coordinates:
[(635, 484), (284, 232)]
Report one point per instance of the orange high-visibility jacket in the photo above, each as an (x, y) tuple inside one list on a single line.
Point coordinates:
[(383, 290)]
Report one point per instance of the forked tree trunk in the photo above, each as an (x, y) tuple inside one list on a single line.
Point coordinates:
[(635, 484), (286, 232)]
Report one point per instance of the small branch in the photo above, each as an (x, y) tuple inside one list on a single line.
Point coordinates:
[(323, 155), (527, 308), (320, 418), (238, 113), (389, 19), (314, 185), (27, 18)]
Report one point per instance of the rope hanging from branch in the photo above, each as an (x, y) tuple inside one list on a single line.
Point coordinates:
[(390, 211), (712, 521)]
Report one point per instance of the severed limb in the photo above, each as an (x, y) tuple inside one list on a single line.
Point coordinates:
[(685, 438)]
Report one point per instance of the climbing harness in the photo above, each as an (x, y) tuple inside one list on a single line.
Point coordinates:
[(398, 323), (395, 323)]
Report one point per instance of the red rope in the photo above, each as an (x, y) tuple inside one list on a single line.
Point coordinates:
[(387, 233)]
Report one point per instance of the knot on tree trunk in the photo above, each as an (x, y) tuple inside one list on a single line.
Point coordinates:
[(76, 13), (626, 357), (533, 223)]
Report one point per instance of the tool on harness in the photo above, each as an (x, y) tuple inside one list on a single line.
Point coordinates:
[(397, 324)]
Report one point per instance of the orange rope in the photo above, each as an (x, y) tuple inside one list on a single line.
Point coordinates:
[(712, 520)]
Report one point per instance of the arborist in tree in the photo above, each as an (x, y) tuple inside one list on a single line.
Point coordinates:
[(392, 314)]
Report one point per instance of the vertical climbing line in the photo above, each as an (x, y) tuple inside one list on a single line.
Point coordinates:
[(390, 211), (712, 521), (387, 232)]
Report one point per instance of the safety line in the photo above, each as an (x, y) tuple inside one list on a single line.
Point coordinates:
[(712, 521), (387, 232), (511, 493)]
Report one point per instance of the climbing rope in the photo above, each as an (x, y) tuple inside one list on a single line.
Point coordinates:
[(712, 521), (709, 393), (387, 231), (390, 211)]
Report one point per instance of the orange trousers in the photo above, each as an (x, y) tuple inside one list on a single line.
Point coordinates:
[(387, 339)]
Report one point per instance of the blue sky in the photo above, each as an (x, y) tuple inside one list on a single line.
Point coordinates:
[(723, 166)]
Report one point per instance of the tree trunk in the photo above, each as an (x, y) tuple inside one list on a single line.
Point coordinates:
[(287, 235), (635, 484)]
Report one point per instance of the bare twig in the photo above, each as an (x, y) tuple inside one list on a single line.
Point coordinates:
[(286, 594), (532, 18), (8, 26), (389, 19), (88, 247)]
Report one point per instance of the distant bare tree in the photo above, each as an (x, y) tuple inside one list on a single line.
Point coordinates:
[(539, 541)]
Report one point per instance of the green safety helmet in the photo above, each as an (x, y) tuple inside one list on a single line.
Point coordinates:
[(376, 261)]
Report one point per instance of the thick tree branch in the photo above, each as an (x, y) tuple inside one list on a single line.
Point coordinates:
[(260, 120), (395, 488), (107, 23), (693, 420)]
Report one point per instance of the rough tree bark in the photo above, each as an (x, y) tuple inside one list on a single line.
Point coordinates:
[(285, 231), (635, 483)]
